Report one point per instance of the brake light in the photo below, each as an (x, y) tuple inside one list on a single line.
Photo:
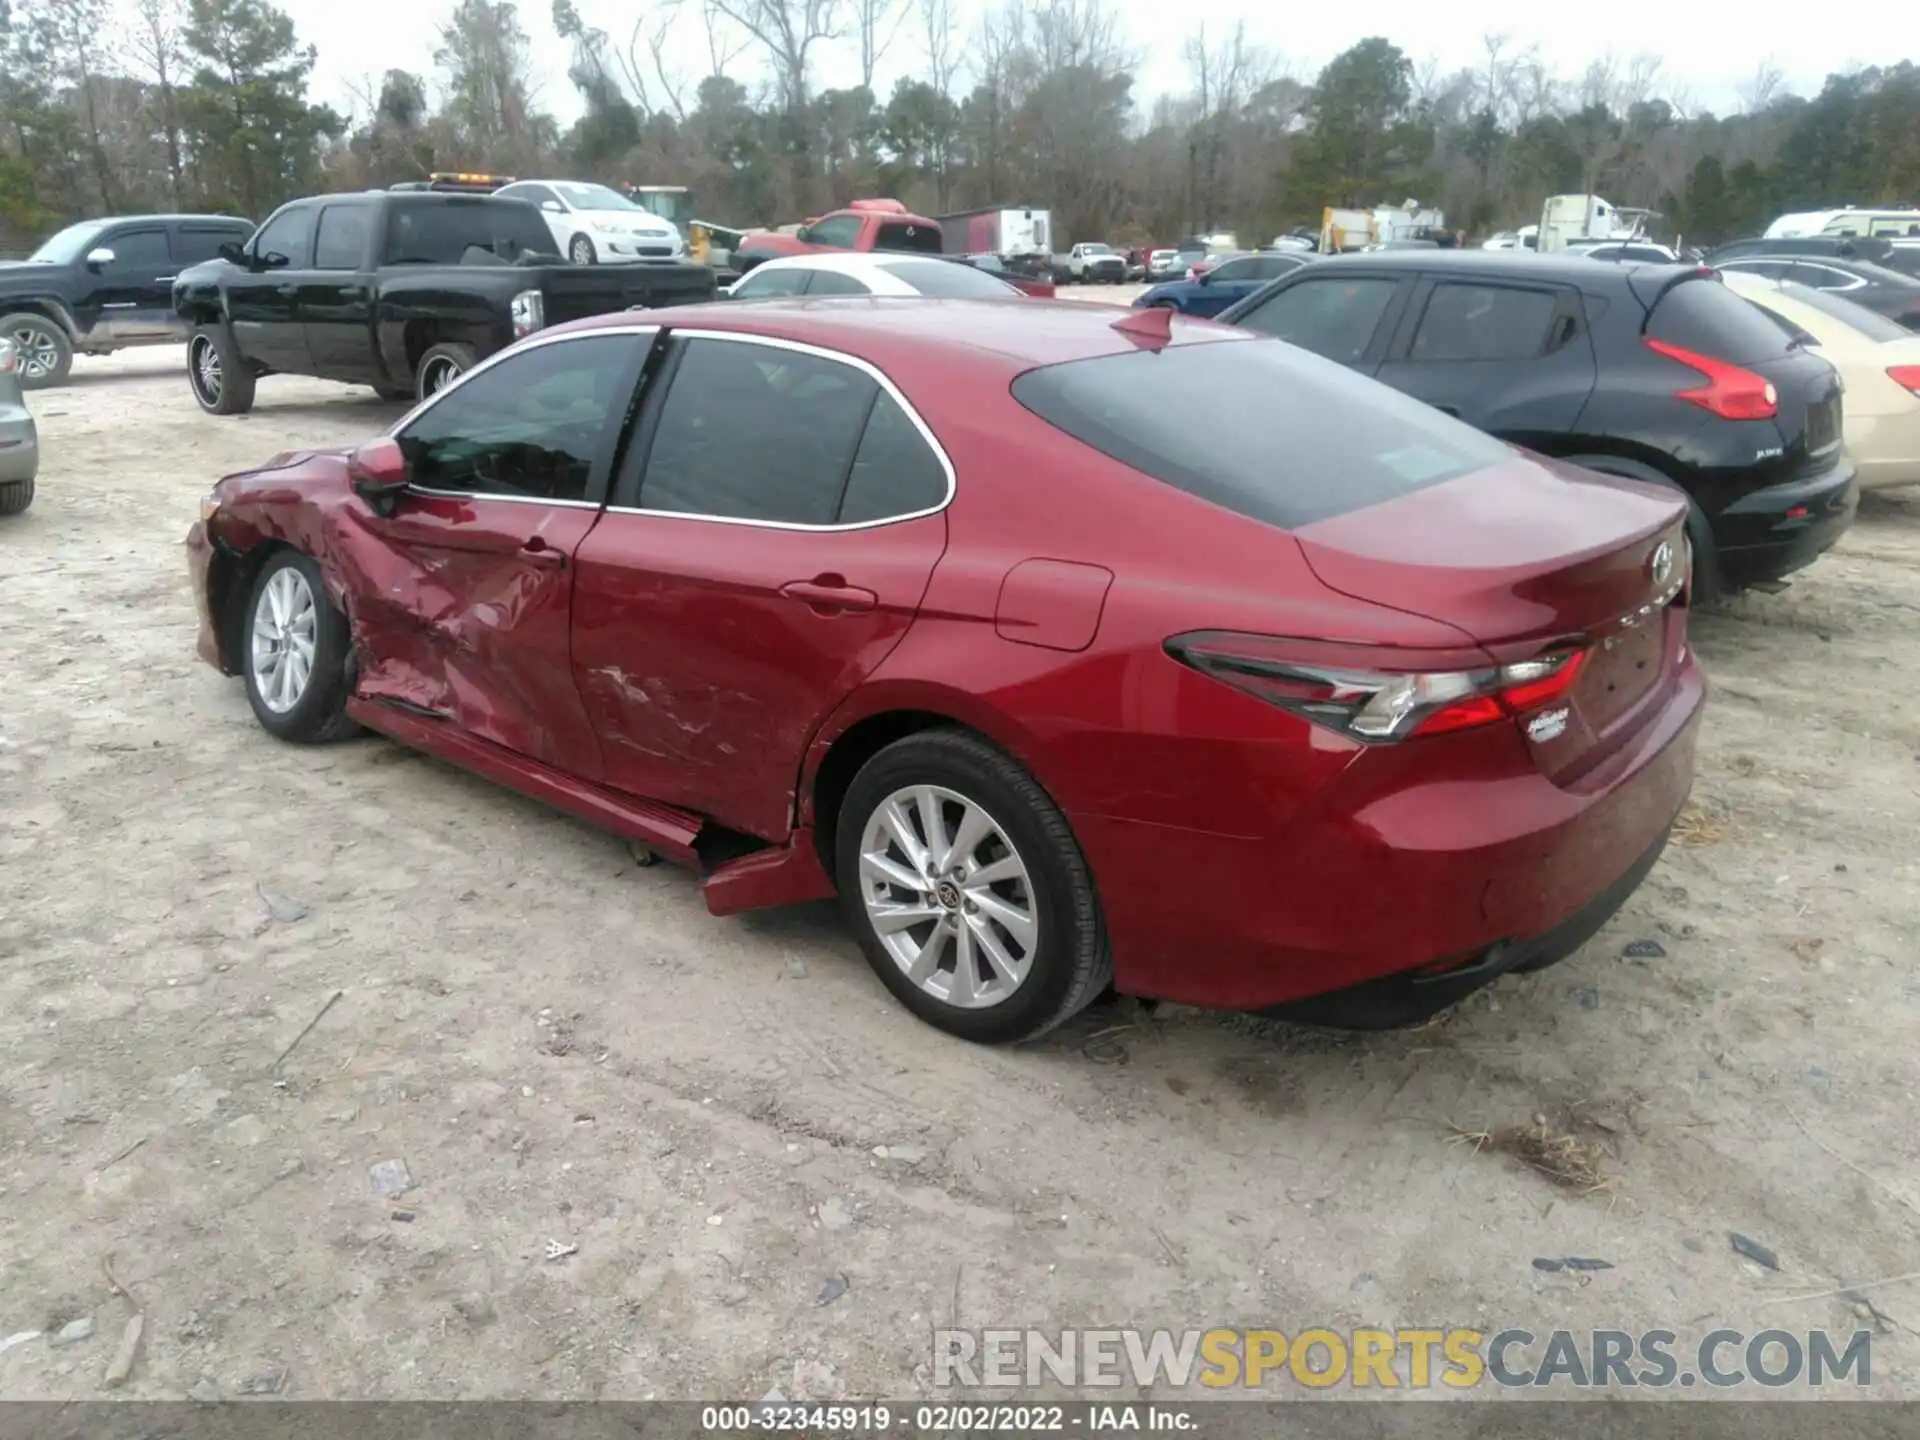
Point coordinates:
[(1376, 703), (1906, 375), (1731, 392), (7, 354)]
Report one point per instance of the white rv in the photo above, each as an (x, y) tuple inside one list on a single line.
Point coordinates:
[(1897, 222)]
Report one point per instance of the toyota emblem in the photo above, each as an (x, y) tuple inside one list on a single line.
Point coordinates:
[(1662, 564)]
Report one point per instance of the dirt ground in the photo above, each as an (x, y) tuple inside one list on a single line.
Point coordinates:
[(562, 1047)]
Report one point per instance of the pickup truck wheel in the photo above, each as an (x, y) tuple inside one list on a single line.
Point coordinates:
[(580, 251), (15, 496), (46, 354), (441, 366), (217, 373)]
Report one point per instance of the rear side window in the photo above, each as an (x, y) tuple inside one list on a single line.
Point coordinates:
[(1707, 318), (1288, 440), (194, 243), (1483, 322), (903, 235), (752, 432), (765, 284), (894, 471), (947, 280), (835, 282), (437, 230), (1330, 317)]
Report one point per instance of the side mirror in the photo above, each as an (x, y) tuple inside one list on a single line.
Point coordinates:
[(553, 207), (804, 234), (231, 252), (274, 260), (378, 473), (98, 256), (1204, 279)]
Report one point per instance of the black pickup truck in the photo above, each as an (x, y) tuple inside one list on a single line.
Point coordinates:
[(400, 290), (104, 285)]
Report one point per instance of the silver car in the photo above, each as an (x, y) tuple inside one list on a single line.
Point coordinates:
[(19, 442)]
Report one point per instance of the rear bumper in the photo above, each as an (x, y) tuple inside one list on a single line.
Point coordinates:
[(1768, 533), (1409, 867)]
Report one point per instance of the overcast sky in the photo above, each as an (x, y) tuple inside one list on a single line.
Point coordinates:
[(1711, 57)]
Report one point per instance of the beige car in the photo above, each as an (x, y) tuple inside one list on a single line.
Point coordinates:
[(1878, 361)]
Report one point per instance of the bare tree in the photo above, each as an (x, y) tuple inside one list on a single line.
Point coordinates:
[(939, 25), (153, 50), (1762, 88), (876, 23), (787, 30), (1224, 76)]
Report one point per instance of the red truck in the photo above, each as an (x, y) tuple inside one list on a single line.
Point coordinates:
[(863, 225)]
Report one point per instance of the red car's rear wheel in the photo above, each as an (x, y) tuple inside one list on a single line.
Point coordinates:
[(967, 890)]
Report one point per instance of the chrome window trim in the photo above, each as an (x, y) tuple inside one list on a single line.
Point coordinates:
[(535, 341), (820, 352), (798, 347)]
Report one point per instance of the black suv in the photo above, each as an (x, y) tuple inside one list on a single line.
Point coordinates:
[(1652, 372), (104, 285), (402, 290)]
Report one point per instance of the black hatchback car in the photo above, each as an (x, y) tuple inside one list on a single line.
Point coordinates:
[(1652, 372)]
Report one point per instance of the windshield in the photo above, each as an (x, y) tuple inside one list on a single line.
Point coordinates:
[(1096, 249), (667, 204), (70, 244), (593, 197), (449, 230), (1874, 326)]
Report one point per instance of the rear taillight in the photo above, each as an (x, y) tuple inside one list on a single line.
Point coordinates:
[(1731, 392), (8, 357), (1376, 703), (1905, 375), (529, 312)]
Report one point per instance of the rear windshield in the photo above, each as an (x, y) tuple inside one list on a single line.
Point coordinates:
[(1257, 427), (1869, 323), (947, 280), (1704, 316), (440, 230), (906, 235)]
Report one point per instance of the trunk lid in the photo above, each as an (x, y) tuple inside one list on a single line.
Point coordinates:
[(1525, 558)]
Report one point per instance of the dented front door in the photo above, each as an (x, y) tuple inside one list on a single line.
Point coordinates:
[(462, 607), (467, 619)]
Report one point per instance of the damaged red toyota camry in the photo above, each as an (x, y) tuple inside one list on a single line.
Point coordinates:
[(1284, 693)]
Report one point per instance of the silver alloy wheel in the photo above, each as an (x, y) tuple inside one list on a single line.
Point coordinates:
[(285, 630), (204, 364), (438, 375), (949, 896), (39, 352), (581, 252)]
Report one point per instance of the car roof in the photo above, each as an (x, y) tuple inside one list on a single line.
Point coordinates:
[(1012, 335), (874, 269), (1566, 269), (164, 219)]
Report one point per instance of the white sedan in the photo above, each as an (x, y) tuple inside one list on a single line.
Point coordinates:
[(850, 273), (595, 225), (1878, 361)]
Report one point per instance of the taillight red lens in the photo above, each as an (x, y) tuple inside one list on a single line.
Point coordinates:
[(1731, 392), (1905, 375), (1373, 703)]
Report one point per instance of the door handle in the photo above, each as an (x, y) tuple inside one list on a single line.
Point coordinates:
[(165, 279), (284, 289), (830, 592), (536, 551)]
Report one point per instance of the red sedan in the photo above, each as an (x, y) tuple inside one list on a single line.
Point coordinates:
[(1285, 692)]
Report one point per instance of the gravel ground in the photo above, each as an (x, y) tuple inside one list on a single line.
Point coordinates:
[(723, 1116)]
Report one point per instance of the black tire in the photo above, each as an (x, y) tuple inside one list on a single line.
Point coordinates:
[(396, 393), (1708, 584), (580, 251), (1070, 964), (318, 713), (440, 367), (220, 377), (46, 354), (15, 496)]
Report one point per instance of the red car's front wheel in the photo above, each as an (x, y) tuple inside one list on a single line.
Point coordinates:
[(967, 890)]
